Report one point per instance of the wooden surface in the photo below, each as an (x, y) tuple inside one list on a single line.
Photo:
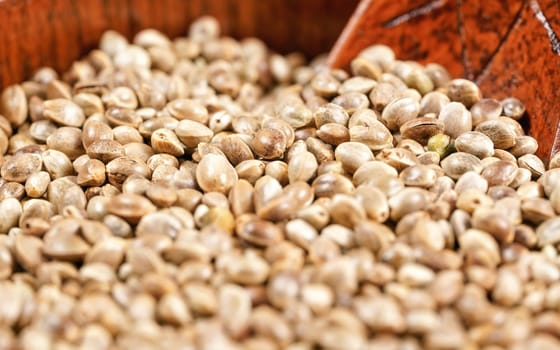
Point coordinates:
[(56, 32), (508, 47)]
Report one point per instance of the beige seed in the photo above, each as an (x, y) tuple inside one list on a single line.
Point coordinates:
[(257, 231), (463, 91), (471, 180), (508, 289), (236, 149), (485, 109), (302, 167), (315, 214), (549, 232), (13, 105), (215, 174), (352, 155), (524, 145), (399, 111), (407, 201), (122, 167), (376, 136), (124, 134), (63, 112), (234, 309), (117, 116), (419, 176), (333, 133), (28, 251), (94, 130), (11, 210), (412, 274), (57, 164), (493, 222), (67, 140), (479, 248), (135, 150), (269, 143), (121, 96), (421, 129), (92, 173), (346, 210), (374, 202), (201, 299), (89, 103), (278, 170), (329, 184), (188, 109), (130, 207), (554, 161), (459, 163), (172, 310), (533, 163), (166, 141), (475, 143), (502, 135), (294, 112), (64, 246), (19, 167), (105, 150), (241, 197), (456, 119), (325, 85), (380, 313), (191, 133), (513, 108), (248, 269), (12, 190)]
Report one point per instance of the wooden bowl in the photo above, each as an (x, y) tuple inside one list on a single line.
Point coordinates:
[(508, 47), (35, 33)]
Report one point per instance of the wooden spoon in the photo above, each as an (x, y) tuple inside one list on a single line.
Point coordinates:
[(510, 48)]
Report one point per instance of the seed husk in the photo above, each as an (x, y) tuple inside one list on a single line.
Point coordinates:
[(398, 112), (13, 105), (464, 91), (215, 174), (459, 163), (475, 143), (19, 167), (64, 112)]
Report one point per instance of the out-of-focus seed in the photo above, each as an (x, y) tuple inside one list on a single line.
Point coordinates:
[(463, 91), (64, 112)]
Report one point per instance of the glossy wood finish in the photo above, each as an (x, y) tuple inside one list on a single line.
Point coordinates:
[(508, 47), (56, 32)]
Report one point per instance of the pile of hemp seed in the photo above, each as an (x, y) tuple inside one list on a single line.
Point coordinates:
[(208, 193)]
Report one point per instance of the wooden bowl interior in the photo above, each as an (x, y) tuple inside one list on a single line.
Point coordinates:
[(54, 33)]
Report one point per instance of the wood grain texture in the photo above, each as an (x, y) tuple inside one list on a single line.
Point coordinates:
[(510, 48), (36, 33)]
